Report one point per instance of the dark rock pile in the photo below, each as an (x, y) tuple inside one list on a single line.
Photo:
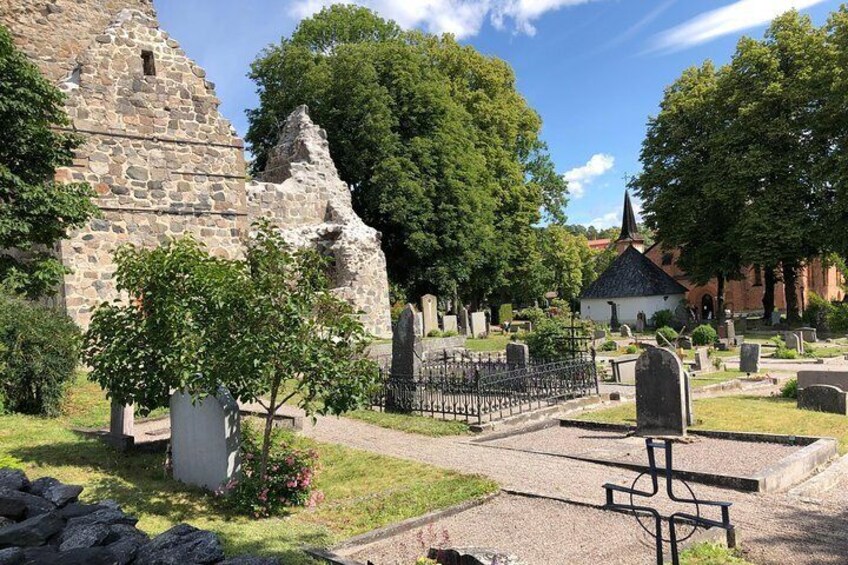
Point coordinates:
[(41, 522)]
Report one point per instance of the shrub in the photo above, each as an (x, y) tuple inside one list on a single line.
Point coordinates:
[(533, 314), (704, 334), (790, 389), (505, 314), (667, 333), (39, 351), (450, 333), (825, 315), (662, 318), (549, 340), (631, 349), (290, 480), (609, 345), (785, 353), (434, 333)]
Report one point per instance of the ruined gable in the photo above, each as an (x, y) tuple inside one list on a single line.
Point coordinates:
[(302, 194)]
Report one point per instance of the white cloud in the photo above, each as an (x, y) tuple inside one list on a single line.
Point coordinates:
[(463, 18), (733, 18), (613, 217), (580, 177)]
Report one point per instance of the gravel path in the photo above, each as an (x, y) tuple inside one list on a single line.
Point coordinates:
[(776, 529)]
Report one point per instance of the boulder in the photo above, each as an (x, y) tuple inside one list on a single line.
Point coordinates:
[(79, 556), (13, 479), (12, 508), (125, 549), (75, 510), (54, 491), (32, 531), (12, 556), (180, 545), (86, 535), (105, 516), (35, 504)]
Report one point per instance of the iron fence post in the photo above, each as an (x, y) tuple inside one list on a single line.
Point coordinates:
[(595, 372)]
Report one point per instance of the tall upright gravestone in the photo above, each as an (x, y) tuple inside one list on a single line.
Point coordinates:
[(205, 438), (464, 322), (660, 394), (430, 314), (479, 328), (749, 358), (407, 355)]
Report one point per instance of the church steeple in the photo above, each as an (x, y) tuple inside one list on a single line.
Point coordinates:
[(629, 230)]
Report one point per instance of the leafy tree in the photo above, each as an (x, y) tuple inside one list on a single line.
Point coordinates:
[(36, 212), (565, 256), (442, 154), (268, 328)]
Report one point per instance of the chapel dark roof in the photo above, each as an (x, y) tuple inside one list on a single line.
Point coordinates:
[(629, 229), (633, 274)]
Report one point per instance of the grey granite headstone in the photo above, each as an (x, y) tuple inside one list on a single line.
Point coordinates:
[(749, 358), (121, 427), (793, 341), (702, 360), (775, 317), (730, 329), (407, 348), (823, 398), (429, 312), (478, 325), (690, 409), (808, 334), (464, 322), (808, 378), (449, 323), (660, 394), (625, 331), (517, 355), (641, 322), (205, 437), (600, 334)]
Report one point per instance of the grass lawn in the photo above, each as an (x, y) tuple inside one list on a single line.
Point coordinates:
[(363, 490), (747, 414), (495, 342), (704, 379), (411, 423), (711, 554)]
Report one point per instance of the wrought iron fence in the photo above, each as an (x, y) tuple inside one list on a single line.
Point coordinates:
[(483, 392)]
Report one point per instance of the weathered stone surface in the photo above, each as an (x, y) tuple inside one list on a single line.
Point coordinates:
[(472, 556), (11, 556), (75, 509), (180, 545), (35, 504), (32, 531), (794, 341), (450, 323), (702, 360), (684, 342), (86, 535), (105, 516), (13, 479), (823, 398), (517, 355), (838, 379), (660, 394), (61, 494), (808, 334), (625, 331), (407, 349), (464, 322), (429, 312), (205, 439), (775, 318), (12, 508), (479, 328), (749, 358), (79, 556), (125, 549)]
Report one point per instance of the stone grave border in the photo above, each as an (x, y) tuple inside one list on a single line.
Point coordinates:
[(792, 469)]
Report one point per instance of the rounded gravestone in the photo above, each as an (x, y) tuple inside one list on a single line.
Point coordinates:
[(660, 394)]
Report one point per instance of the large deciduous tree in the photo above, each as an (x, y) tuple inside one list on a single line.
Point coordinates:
[(36, 212), (441, 152)]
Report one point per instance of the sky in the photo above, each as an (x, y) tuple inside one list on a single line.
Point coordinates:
[(594, 70)]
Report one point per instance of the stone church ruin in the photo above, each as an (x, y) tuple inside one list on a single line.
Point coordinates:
[(164, 162)]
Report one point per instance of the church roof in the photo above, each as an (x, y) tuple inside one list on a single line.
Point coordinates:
[(633, 274), (629, 229)]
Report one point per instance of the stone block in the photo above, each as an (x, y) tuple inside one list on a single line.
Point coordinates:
[(749, 358), (429, 313), (660, 394), (624, 369), (464, 322), (205, 438), (702, 361), (478, 325), (450, 323), (808, 378), (808, 334), (794, 341), (407, 349), (625, 331), (684, 342), (599, 334), (823, 398), (517, 355)]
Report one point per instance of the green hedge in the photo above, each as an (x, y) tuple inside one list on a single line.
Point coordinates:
[(39, 351), (704, 334), (669, 333)]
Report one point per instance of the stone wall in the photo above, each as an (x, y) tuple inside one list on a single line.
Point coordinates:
[(301, 192)]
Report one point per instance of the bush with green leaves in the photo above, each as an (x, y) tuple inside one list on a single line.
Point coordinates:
[(609, 345), (704, 334), (662, 318), (290, 481), (790, 389), (826, 315), (785, 353), (533, 314), (550, 339), (505, 313), (39, 352), (631, 349), (668, 333), (269, 328)]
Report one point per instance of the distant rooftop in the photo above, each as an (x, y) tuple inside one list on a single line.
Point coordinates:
[(633, 274)]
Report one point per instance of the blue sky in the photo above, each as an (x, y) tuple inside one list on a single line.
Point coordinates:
[(593, 69)]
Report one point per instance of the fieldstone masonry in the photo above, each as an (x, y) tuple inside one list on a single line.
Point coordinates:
[(165, 163)]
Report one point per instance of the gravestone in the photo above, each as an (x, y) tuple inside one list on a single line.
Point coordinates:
[(478, 325), (419, 324), (205, 437), (794, 341), (690, 411), (625, 331), (407, 347), (808, 334), (684, 342), (775, 318), (741, 325), (121, 427), (702, 361), (464, 322), (729, 330), (660, 394), (749, 358), (517, 355), (600, 334), (449, 323), (613, 316), (429, 314), (833, 378), (823, 398), (641, 322)]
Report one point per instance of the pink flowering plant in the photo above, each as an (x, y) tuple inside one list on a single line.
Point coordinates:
[(290, 479)]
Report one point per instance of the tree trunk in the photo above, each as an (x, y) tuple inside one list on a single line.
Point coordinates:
[(790, 282), (768, 294), (266, 436), (719, 315)]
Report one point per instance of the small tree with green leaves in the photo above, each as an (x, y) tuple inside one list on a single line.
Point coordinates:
[(35, 211), (267, 327)]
